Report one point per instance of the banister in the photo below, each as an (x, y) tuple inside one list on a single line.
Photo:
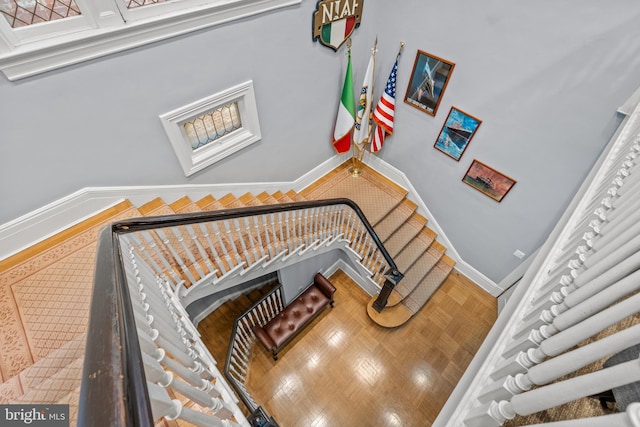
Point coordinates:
[(113, 391), (113, 388), (245, 399), (147, 223)]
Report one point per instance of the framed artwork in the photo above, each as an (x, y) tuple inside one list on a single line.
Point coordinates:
[(428, 81), (456, 133), (488, 181)]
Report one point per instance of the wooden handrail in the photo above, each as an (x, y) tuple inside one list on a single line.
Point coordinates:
[(148, 223), (241, 394), (113, 391)]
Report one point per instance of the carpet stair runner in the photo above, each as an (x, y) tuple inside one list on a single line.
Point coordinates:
[(45, 290), (404, 234)]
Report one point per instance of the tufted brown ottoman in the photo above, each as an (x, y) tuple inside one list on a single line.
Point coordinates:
[(294, 317)]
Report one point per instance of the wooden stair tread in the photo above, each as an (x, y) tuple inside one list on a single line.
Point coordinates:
[(266, 198), (185, 205), (249, 199), (230, 201), (295, 196), (151, 206), (394, 299), (209, 203)]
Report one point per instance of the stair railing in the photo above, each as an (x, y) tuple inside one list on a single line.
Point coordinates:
[(242, 340), (577, 306), (137, 315)]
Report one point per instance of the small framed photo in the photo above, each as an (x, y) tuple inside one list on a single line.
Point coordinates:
[(488, 181), (456, 133), (428, 81)]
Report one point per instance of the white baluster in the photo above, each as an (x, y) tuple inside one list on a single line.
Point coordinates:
[(575, 388), (231, 240), (287, 228), (212, 247), (257, 225), (576, 319), (248, 230), (203, 254), (627, 225), (187, 250), (563, 364), (630, 418), (189, 376), (176, 256), (159, 255), (223, 246), (608, 270), (240, 235)]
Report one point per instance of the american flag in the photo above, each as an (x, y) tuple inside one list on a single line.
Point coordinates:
[(383, 114)]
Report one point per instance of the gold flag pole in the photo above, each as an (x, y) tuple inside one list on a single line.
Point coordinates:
[(357, 153), (371, 128), (353, 170)]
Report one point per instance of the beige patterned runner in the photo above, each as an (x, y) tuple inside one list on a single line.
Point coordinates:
[(40, 296)]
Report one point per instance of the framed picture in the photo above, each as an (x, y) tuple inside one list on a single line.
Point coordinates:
[(456, 133), (488, 181), (428, 81)]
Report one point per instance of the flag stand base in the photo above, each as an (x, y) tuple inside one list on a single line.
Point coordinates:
[(356, 159), (355, 171)]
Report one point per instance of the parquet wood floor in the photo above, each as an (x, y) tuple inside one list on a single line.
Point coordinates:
[(344, 370)]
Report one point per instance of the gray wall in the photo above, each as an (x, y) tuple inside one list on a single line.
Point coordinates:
[(545, 78), (297, 277)]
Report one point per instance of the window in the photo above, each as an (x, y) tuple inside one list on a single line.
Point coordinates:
[(20, 13), (212, 125), (208, 130), (41, 35)]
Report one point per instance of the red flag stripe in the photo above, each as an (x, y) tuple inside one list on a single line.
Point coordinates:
[(378, 139), (384, 113)]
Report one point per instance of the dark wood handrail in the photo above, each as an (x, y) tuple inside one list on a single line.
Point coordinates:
[(114, 391), (147, 223)]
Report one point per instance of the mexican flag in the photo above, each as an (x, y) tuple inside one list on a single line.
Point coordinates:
[(346, 114)]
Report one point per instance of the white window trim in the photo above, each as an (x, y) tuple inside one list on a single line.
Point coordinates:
[(111, 34), (193, 161)]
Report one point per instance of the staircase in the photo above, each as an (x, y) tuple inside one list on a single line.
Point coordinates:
[(45, 291), (403, 232)]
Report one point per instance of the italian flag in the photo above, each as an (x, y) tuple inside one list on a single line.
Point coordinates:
[(346, 114), (336, 32)]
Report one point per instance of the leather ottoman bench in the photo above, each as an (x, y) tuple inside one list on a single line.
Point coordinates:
[(294, 317)]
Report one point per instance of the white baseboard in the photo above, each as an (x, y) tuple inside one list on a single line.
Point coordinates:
[(57, 216), (367, 285), (42, 223)]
